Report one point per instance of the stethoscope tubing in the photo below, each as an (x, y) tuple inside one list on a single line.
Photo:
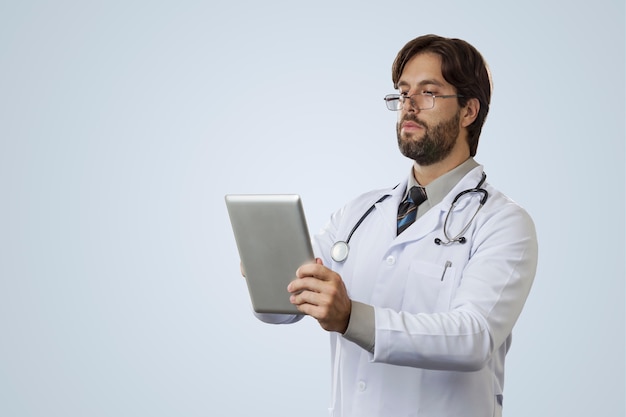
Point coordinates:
[(340, 249), (364, 216)]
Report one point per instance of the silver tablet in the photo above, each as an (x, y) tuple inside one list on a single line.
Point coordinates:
[(273, 240)]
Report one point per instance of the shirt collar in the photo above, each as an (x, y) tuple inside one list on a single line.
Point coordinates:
[(441, 186)]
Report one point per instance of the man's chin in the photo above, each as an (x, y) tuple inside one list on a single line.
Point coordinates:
[(410, 152), (411, 135)]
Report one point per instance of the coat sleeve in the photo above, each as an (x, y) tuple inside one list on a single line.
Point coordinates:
[(493, 288)]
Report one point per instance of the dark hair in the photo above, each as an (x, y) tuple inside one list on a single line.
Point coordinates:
[(462, 66)]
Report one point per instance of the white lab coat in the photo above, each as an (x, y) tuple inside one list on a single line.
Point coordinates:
[(442, 333)]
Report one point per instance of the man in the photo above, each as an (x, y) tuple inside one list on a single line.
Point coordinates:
[(421, 311)]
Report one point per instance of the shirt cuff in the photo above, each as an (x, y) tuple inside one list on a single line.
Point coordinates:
[(361, 327)]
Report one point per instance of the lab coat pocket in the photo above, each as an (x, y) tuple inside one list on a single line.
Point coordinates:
[(428, 287)]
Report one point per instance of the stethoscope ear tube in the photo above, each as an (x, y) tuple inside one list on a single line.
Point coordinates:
[(460, 238)]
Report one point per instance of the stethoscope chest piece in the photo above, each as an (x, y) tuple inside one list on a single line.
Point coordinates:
[(339, 251)]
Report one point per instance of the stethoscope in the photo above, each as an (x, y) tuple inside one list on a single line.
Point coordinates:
[(340, 249), (460, 238)]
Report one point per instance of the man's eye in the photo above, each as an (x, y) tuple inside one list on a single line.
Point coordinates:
[(428, 93), (404, 94)]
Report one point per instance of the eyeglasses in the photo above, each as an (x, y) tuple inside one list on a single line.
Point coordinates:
[(421, 101)]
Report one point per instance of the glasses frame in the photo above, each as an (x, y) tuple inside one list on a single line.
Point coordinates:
[(390, 98)]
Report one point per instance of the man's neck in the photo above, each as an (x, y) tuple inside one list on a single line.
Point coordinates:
[(425, 174)]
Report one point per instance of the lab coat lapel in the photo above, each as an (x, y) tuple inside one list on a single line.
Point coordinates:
[(388, 209)]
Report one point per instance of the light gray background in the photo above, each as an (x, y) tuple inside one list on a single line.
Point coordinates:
[(124, 123)]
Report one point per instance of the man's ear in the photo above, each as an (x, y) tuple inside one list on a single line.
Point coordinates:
[(469, 113)]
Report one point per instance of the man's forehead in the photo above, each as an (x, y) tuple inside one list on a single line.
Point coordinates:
[(422, 69)]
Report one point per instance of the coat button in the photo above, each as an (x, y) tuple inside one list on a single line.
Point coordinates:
[(391, 260), (362, 386)]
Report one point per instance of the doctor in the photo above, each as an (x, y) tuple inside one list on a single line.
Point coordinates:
[(420, 311)]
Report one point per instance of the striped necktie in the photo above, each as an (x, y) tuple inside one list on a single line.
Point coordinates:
[(407, 210)]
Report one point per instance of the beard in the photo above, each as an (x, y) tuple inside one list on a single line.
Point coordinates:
[(436, 144)]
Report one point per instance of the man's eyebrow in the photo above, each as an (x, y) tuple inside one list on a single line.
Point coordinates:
[(421, 83)]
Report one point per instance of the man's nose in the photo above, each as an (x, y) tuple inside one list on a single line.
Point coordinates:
[(409, 105)]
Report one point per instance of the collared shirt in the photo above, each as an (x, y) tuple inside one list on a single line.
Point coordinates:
[(361, 328)]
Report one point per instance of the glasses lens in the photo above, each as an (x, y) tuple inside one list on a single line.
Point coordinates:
[(427, 101), (393, 102)]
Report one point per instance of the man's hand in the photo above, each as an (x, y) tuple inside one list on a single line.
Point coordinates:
[(320, 293)]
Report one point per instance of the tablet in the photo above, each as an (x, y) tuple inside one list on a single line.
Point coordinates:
[(273, 240)]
